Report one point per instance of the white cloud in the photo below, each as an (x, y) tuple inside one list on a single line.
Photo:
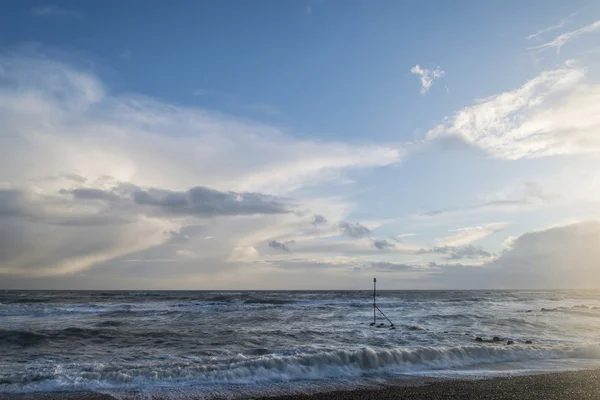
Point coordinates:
[(467, 235), (400, 237), (561, 40), (545, 30), (427, 76), (509, 242), (551, 28), (73, 155), (559, 257), (54, 11), (140, 140), (553, 113)]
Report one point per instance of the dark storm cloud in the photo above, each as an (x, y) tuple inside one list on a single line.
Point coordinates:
[(457, 253), (318, 220), (355, 230), (71, 230), (16, 203), (199, 201), (382, 244), (207, 202), (283, 246), (92, 194)]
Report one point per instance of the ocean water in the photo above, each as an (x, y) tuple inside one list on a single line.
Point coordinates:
[(229, 344)]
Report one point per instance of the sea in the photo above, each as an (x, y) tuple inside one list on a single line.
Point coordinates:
[(201, 344)]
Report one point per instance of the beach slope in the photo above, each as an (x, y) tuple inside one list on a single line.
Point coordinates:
[(564, 386)]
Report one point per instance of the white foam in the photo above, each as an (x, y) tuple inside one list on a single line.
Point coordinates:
[(340, 364)]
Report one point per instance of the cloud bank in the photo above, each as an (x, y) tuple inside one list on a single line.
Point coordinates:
[(102, 184), (560, 257), (91, 178)]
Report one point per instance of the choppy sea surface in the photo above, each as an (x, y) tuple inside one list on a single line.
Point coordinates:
[(210, 344)]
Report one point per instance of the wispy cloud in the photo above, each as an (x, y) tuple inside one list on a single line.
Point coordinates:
[(554, 113), (427, 76), (400, 238), (551, 28), (528, 195), (561, 40), (54, 11), (452, 253), (467, 235)]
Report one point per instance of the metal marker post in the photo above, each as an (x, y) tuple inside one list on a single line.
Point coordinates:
[(374, 301), (375, 309)]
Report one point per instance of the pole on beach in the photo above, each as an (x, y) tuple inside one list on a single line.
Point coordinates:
[(374, 302), (375, 309)]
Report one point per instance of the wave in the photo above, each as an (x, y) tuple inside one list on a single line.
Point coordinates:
[(20, 338), (581, 308), (265, 369), (103, 332), (221, 298), (466, 300), (110, 323), (28, 301), (453, 317), (269, 301), (25, 338)]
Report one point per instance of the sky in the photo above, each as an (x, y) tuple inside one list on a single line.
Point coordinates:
[(302, 144)]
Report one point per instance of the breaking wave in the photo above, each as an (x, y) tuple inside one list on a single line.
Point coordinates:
[(286, 368), (133, 341)]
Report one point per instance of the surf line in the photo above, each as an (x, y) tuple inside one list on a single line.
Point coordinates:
[(375, 309)]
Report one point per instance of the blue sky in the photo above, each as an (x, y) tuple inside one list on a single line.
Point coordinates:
[(432, 142)]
